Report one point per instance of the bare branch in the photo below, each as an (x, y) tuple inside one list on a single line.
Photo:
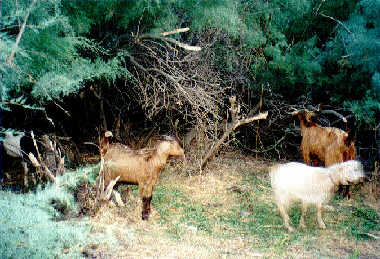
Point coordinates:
[(336, 114), (117, 198), (236, 122), (106, 195), (183, 45), (261, 116), (22, 29), (162, 36), (175, 31), (213, 150), (332, 18)]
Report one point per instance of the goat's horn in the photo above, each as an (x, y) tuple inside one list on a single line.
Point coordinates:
[(295, 112), (166, 137)]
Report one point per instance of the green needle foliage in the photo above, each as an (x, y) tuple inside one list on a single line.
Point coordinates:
[(32, 224), (318, 51), (48, 61)]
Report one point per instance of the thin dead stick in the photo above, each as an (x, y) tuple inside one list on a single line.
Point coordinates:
[(163, 35), (175, 31), (22, 29), (35, 146), (258, 122), (183, 45), (41, 167), (106, 195), (332, 18), (117, 198), (100, 180)]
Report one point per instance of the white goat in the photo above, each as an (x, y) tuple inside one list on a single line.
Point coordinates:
[(311, 185)]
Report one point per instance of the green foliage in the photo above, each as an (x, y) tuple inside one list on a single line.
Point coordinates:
[(366, 109), (53, 85), (293, 71), (297, 47), (220, 14), (30, 226), (49, 61), (352, 60), (362, 220)]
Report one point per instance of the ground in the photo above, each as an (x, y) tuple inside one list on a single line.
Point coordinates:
[(227, 211)]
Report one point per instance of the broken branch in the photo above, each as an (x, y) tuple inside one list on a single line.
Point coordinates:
[(231, 127)]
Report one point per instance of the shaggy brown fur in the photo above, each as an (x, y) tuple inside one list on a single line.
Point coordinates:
[(141, 167), (329, 145), (325, 145)]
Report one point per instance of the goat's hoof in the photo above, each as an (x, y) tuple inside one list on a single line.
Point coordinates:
[(145, 216), (322, 226)]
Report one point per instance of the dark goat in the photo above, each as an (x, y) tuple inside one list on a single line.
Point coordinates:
[(21, 145)]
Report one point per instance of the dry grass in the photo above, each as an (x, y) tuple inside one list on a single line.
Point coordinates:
[(226, 212)]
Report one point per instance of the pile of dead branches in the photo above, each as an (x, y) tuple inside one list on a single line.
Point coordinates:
[(49, 163), (171, 75)]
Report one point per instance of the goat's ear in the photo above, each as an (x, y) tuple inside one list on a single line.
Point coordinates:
[(300, 115), (313, 119), (350, 137), (295, 113), (108, 134), (305, 119)]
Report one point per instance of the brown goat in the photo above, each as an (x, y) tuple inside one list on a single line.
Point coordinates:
[(329, 145), (141, 167)]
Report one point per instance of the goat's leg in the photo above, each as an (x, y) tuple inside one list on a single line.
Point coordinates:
[(347, 192), (319, 216), (146, 190), (285, 217), (149, 202), (306, 156), (146, 207), (304, 210), (344, 191)]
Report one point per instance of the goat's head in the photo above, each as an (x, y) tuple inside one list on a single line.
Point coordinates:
[(172, 146), (353, 172), (309, 118)]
